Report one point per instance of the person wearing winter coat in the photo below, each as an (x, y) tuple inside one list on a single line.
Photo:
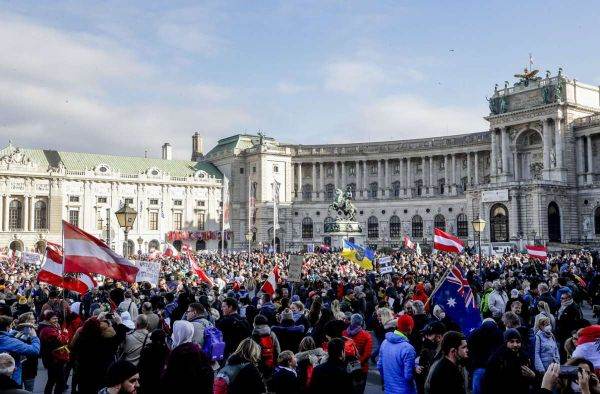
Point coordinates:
[(16, 347), (569, 317), (497, 300), (268, 342), (332, 376), (396, 362), (197, 315), (135, 340), (241, 370), (546, 348), (52, 338), (308, 357), (447, 375), (285, 377), (288, 333), (363, 341), (483, 342), (186, 363), (7, 368), (153, 359)]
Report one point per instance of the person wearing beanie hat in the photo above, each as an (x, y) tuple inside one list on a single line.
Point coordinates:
[(397, 356), (121, 377), (364, 344), (268, 342), (288, 332), (508, 370)]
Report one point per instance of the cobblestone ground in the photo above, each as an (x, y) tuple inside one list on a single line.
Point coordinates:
[(373, 380)]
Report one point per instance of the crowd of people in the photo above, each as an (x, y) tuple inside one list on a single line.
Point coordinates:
[(337, 329)]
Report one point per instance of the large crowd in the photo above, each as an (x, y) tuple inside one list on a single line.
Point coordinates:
[(338, 328)]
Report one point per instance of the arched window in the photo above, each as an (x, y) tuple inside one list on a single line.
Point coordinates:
[(417, 227), (307, 228), (329, 191), (419, 187), (40, 222), (396, 189), (499, 223), (200, 244), (306, 192), (395, 227), (597, 221), (373, 227), (351, 187), (439, 221), (15, 215), (373, 190), (328, 221), (462, 225)]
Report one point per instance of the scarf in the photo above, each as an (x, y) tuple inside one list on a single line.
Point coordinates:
[(563, 306)]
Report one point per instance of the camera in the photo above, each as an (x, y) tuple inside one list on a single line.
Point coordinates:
[(569, 371)]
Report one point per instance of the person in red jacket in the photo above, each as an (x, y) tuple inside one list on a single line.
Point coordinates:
[(51, 339), (420, 293), (363, 341)]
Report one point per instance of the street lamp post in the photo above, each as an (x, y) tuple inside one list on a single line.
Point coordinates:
[(478, 227), (140, 241), (126, 217)]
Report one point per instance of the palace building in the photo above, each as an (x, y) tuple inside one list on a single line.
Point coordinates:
[(533, 177)]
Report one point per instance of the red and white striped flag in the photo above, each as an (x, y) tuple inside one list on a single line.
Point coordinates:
[(537, 252), (85, 253), (408, 244), (270, 285), (447, 242), (171, 251), (51, 272)]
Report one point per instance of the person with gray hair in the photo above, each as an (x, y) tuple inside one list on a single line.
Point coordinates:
[(135, 340), (497, 300), (7, 368)]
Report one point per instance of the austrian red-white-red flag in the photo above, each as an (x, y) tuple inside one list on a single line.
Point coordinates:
[(87, 254), (170, 251), (195, 267), (408, 244), (51, 272), (270, 285), (447, 242), (537, 252)]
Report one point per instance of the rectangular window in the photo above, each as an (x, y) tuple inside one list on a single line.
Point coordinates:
[(153, 220), (154, 201), (396, 168), (101, 199), (241, 170), (351, 171), (200, 203), (177, 203), (177, 220), (73, 198), (74, 217), (128, 201), (254, 169), (329, 171), (200, 220), (275, 168), (373, 169)]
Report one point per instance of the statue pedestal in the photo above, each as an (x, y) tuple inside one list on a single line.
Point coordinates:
[(343, 229)]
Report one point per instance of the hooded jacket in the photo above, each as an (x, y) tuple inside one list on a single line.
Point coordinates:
[(396, 364), (364, 343), (483, 342)]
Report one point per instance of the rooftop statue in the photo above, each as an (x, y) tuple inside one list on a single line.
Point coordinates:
[(527, 76)]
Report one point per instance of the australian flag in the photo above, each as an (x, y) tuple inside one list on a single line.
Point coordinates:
[(456, 298)]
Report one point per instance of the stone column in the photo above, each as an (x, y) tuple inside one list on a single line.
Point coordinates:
[(447, 182), (494, 155), (516, 169), (335, 174), (454, 173), (431, 181), (590, 160), (379, 178), (388, 179), (546, 148), (423, 177), (321, 183), (357, 178), (580, 158), (364, 178), (468, 169), (26, 204), (5, 217), (513, 216), (314, 181), (299, 174), (558, 138), (505, 149), (31, 213), (343, 169), (476, 163), (409, 177), (402, 173)]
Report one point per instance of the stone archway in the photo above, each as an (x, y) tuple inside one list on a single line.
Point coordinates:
[(498, 223), (554, 233), (529, 151)]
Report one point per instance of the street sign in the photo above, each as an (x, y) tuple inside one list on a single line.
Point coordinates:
[(385, 265), (295, 269)]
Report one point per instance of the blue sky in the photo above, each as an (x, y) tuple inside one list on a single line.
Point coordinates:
[(114, 78)]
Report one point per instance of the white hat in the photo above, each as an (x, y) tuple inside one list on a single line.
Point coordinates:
[(127, 322)]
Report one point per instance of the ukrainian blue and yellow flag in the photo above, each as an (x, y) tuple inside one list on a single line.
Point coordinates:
[(358, 254)]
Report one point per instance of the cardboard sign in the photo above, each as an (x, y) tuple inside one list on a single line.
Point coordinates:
[(385, 265), (295, 269), (148, 272)]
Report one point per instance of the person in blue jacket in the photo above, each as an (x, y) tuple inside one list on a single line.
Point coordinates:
[(396, 362), (16, 347)]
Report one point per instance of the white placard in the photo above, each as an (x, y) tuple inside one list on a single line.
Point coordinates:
[(385, 265), (30, 258), (295, 269), (148, 272), (494, 195)]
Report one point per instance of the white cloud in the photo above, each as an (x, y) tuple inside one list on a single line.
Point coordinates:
[(405, 117), (286, 87), (189, 38), (352, 76), (68, 91)]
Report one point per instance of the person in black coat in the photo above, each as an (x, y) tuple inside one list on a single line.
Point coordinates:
[(447, 375), (288, 333), (483, 342), (332, 376), (242, 370), (285, 378), (234, 327)]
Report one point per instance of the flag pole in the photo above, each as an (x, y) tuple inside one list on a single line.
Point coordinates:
[(222, 219), (437, 287)]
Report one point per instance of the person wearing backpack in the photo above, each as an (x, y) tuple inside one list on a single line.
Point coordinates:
[(197, 315), (332, 376), (335, 329), (234, 327), (241, 375), (135, 341), (364, 344), (268, 342)]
